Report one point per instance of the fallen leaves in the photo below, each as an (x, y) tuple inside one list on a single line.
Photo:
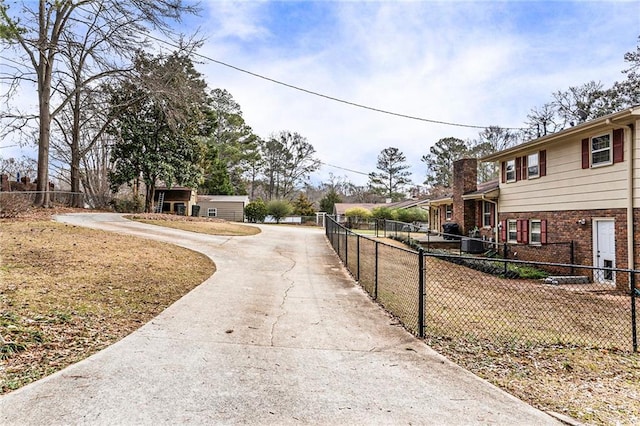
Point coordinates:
[(67, 292)]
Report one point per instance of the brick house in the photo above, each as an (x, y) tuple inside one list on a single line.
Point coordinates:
[(581, 184), (470, 205)]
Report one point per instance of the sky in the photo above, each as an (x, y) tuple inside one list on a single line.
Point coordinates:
[(473, 63)]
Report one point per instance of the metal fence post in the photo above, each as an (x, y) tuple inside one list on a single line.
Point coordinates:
[(572, 254), (338, 231), (358, 257), (375, 274), (421, 294), (505, 250), (346, 249), (634, 330)]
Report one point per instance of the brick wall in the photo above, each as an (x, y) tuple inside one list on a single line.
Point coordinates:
[(465, 180), (563, 227)]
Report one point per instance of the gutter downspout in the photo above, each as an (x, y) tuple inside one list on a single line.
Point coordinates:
[(630, 194)]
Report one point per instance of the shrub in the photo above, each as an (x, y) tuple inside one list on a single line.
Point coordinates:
[(279, 209), (414, 214), (356, 215), (256, 211), (133, 204), (303, 207), (384, 212)]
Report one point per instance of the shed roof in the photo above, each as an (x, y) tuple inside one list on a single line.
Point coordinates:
[(224, 198)]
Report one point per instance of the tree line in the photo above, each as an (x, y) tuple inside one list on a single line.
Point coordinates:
[(114, 113)]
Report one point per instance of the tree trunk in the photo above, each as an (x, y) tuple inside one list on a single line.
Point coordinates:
[(44, 94), (75, 154), (44, 98), (148, 201)]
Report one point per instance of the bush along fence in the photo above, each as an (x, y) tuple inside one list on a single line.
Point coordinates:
[(504, 301), (556, 252)]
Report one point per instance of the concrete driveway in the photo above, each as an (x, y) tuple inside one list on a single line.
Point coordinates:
[(278, 335)]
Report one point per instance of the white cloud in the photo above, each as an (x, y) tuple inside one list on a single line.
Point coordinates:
[(479, 63)]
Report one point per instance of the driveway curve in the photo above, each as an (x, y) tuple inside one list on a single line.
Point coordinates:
[(280, 334)]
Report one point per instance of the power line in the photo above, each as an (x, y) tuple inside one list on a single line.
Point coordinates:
[(344, 168), (332, 98)]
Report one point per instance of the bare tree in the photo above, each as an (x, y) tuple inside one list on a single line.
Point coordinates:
[(541, 121), (37, 40), (95, 175), (580, 103), (492, 139), (17, 167)]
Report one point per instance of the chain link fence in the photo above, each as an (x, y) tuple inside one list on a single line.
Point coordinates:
[(505, 301), (15, 202)]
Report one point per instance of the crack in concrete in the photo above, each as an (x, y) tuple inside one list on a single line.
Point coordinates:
[(283, 311)]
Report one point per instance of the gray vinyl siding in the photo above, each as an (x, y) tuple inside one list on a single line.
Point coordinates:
[(567, 186), (227, 210)]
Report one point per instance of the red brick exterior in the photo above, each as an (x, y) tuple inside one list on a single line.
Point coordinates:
[(25, 184), (465, 180), (563, 227)]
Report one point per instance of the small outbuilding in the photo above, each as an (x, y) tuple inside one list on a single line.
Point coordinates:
[(228, 207), (177, 200)]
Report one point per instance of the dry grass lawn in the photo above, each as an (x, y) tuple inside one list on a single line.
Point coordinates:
[(201, 225), (560, 349), (67, 292)]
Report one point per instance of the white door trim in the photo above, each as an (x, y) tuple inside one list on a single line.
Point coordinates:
[(598, 260)]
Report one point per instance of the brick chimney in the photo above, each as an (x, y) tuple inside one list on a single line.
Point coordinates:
[(465, 180), (4, 183)]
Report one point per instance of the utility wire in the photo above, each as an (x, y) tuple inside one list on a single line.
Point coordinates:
[(311, 92), (344, 168)]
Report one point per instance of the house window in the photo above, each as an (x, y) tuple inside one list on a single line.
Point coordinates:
[(535, 232), (448, 212), (601, 150), (212, 212), (510, 170), (512, 231), (533, 169), (486, 214)]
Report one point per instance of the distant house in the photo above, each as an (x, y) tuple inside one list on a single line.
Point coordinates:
[(339, 209), (470, 205), (228, 207), (178, 200)]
